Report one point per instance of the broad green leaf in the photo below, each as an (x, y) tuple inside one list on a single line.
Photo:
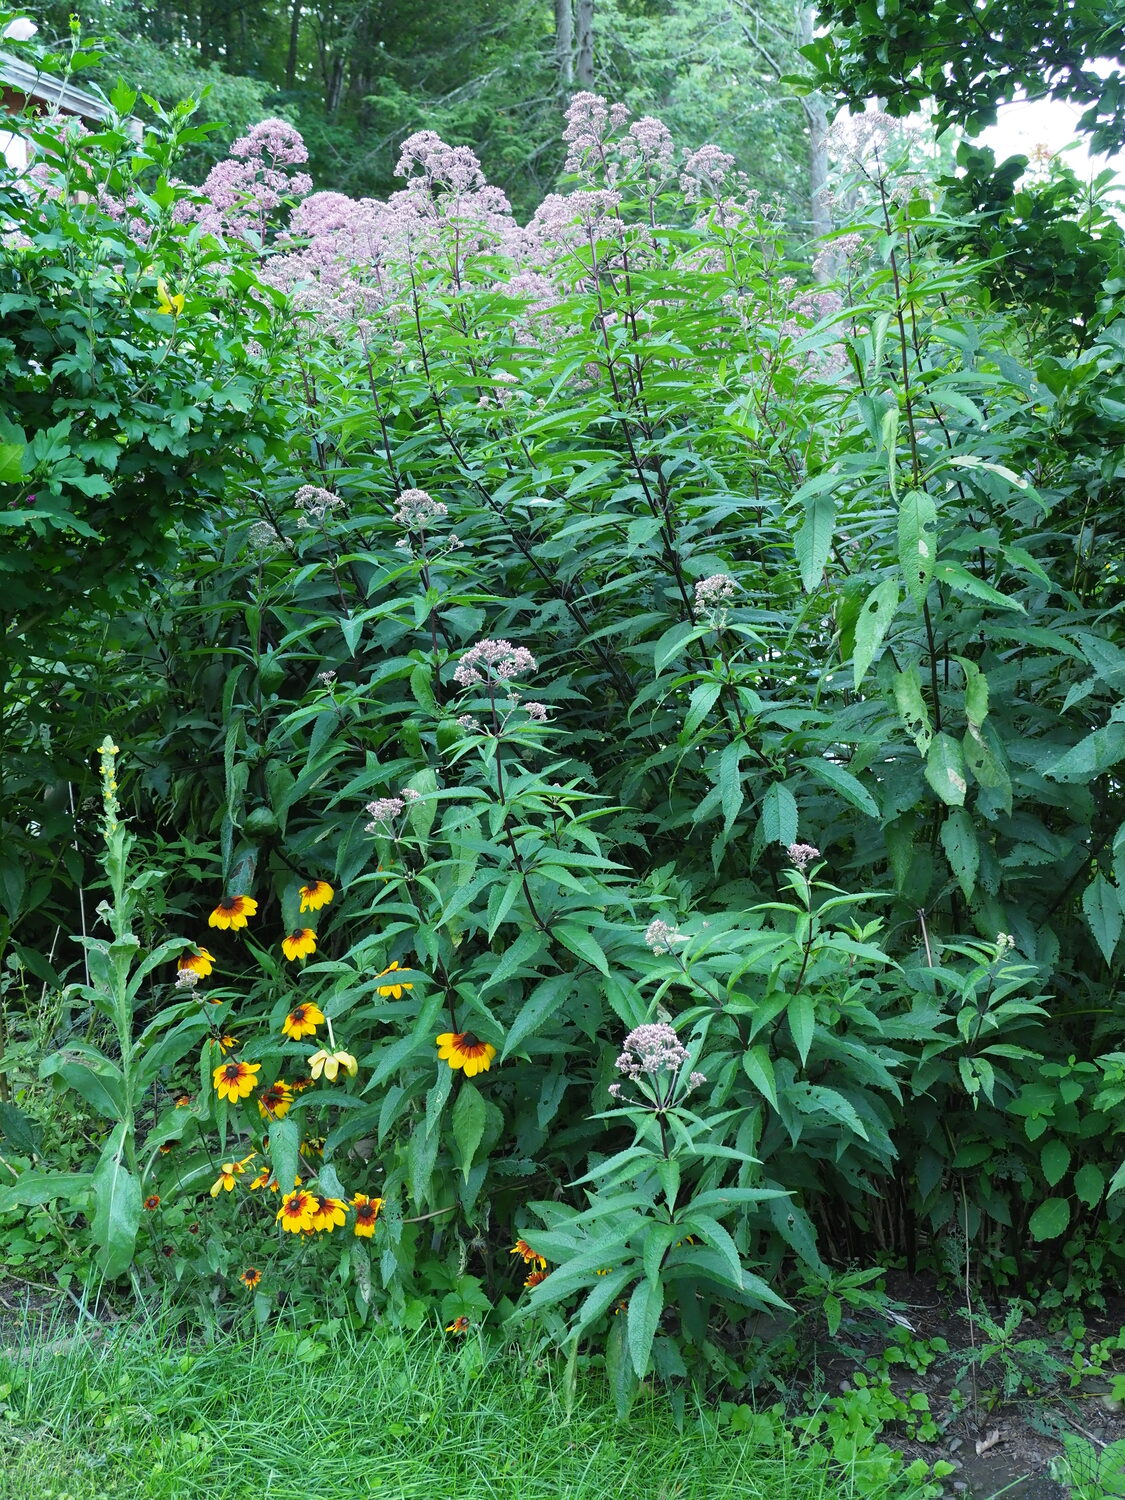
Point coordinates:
[(959, 840), (11, 463), (912, 707), (779, 815), (645, 1306), (469, 1115), (840, 780), (1089, 1184), (813, 540), (1101, 905), (758, 1067), (285, 1142), (976, 692), (872, 624), (582, 943), (961, 581), (917, 542), (945, 770), (1050, 1219), (801, 1012), (1090, 757), (117, 1207), (1054, 1158), (540, 1005), (31, 1189)]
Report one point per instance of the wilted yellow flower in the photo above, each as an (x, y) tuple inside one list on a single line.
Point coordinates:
[(330, 1063)]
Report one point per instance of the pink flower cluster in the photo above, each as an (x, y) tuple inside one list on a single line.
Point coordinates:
[(416, 510), (493, 661), (245, 191), (652, 1048)]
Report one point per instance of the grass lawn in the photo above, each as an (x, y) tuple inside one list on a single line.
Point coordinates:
[(142, 1414)]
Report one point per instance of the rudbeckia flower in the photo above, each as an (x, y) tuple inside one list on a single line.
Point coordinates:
[(225, 1180), (463, 1049), (265, 1178), (228, 1043), (170, 302), (152, 1201), (296, 1211), (535, 1278), (459, 1325), (530, 1256), (275, 1101), (302, 1020), (236, 1080), (299, 944), (366, 1212), (200, 962), (250, 1277), (233, 911), (316, 894), (328, 1212), (330, 1063), (395, 988)]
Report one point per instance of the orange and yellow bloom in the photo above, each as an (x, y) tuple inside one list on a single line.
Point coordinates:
[(459, 1325), (275, 1101), (396, 987), (296, 1211), (233, 912), (366, 1212), (200, 962), (316, 894), (535, 1277), (531, 1257), (236, 1080), (302, 1020), (299, 944), (250, 1277), (463, 1049), (328, 1213), (228, 1043), (264, 1179), (225, 1180), (169, 302), (330, 1063), (152, 1201)]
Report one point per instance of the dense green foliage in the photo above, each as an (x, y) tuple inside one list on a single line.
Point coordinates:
[(593, 653)]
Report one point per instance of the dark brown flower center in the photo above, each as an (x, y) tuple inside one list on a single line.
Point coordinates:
[(468, 1041)]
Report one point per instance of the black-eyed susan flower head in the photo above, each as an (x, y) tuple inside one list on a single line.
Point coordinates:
[(236, 1080), (302, 1021), (264, 1179), (464, 1049), (233, 912), (459, 1325), (225, 1181), (366, 1213), (228, 1043), (275, 1101), (533, 1278), (296, 1211), (395, 988), (328, 1213), (250, 1277), (330, 1063), (152, 1201), (199, 962), (316, 894), (299, 944)]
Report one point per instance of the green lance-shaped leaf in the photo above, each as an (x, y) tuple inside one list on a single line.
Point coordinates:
[(779, 815), (117, 1207), (813, 540), (470, 1113), (976, 692), (959, 840), (645, 1306), (945, 770), (872, 624), (912, 707), (1101, 905), (917, 542)]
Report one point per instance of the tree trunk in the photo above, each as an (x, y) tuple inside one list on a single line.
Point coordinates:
[(816, 117), (294, 38), (585, 70), (564, 49)]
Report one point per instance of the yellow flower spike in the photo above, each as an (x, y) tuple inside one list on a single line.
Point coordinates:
[(302, 1021), (299, 944), (316, 894), (170, 302), (232, 912), (236, 1080), (463, 1049)]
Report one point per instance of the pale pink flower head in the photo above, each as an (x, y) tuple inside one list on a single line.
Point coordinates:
[(802, 855), (416, 510), (652, 1048), (275, 139), (493, 661)]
